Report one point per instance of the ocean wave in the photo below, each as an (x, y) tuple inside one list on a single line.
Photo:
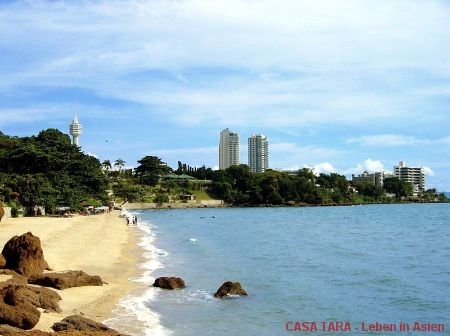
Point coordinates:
[(195, 296), (132, 314)]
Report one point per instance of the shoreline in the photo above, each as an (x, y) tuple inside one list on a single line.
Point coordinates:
[(99, 245), (132, 314), (174, 206)]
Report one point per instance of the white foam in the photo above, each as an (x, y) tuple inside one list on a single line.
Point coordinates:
[(132, 314), (193, 239)]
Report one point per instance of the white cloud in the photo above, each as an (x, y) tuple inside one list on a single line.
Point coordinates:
[(373, 165), (428, 171), (92, 154), (290, 156), (324, 167), (445, 140), (297, 63), (27, 115), (393, 140), (370, 165), (187, 150), (193, 156), (387, 140)]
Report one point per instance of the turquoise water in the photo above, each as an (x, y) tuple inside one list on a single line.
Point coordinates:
[(381, 263)]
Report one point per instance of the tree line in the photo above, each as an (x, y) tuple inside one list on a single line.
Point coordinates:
[(47, 170), (239, 186)]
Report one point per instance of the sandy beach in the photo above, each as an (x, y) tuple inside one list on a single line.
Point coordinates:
[(99, 245)]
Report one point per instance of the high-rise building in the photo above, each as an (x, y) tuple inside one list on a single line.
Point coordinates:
[(76, 129), (414, 175), (258, 153), (228, 149)]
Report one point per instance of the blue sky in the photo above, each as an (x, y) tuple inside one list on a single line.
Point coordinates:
[(336, 85)]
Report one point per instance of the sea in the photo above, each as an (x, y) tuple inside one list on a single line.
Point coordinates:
[(342, 270)]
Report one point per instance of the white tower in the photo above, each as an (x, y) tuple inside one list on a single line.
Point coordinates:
[(76, 129)]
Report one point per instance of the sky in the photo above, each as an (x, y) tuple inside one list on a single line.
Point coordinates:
[(342, 86)]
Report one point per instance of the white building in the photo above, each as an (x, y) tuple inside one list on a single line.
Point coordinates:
[(228, 149), (258, 153), (76, 129), (414, 175), (376, 179)]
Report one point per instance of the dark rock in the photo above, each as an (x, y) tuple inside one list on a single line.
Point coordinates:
[(76, 322), (23, 316), (65, 333), (169, 283), (2, 261), (66, 280), (16, 277), (38, 297), (6, 330), (230, 288), (24, 255), (19, 303)]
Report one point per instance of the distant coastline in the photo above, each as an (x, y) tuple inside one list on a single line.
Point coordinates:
[(221, 204)]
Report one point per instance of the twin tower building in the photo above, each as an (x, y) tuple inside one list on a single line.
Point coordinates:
[(229, 151)]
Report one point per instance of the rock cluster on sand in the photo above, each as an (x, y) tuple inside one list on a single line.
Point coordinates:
[(19, 304), (74, 325), (230, 288), (39, 297), (24, 261), (24, 255), (169, 283), (63, 333), (76, 322), (65, 280)]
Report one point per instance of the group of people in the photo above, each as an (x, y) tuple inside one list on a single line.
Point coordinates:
[(132, 220)]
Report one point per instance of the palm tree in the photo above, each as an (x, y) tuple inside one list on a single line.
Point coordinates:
[(119, 163), (106, 164)]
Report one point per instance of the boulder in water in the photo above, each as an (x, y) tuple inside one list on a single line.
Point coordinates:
[(169, 283), (230, 288)]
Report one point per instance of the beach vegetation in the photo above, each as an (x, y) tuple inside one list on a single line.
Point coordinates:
[(161, 198), (128, 191), (119, 163), (398, 187), (151, 169), (16, 209), (47, 170)]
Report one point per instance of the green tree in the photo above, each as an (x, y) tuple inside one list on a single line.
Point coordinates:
[(128, 191), (369, 190), (48, 170), (398, 187), (120, 164), (106, 164), (161, 198), (36, 190), (150, 169)]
